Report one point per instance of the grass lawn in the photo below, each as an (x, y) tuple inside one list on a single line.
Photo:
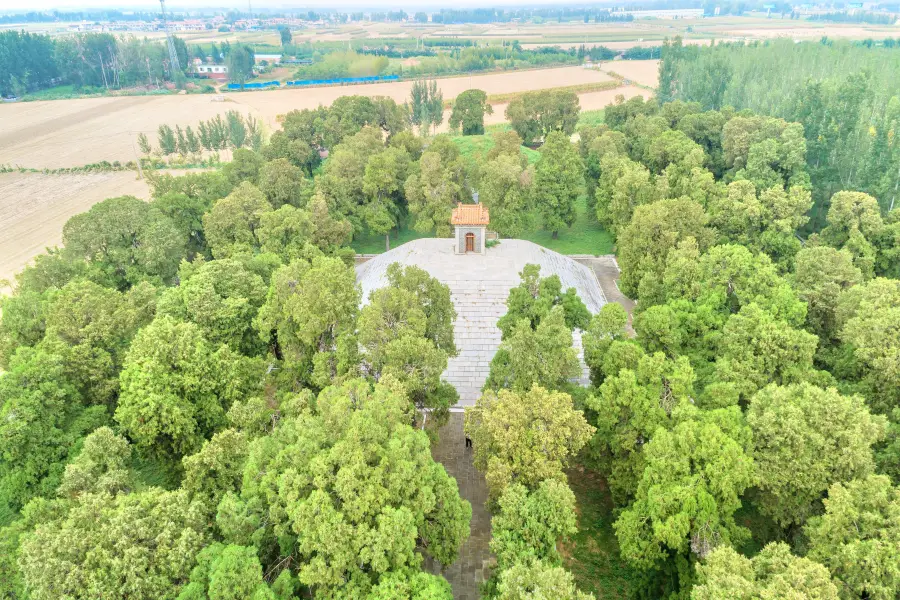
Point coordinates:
[(370, 243), (474, 148), (62, 92), (586, 236), (592, 555)]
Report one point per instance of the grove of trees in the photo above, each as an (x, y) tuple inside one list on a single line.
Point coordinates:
[(843, 94), (31, 62), (197, 402)]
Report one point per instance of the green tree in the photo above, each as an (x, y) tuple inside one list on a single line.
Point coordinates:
[(79, 554), (434, 299), (538, 580), (101, 466), (288, 233), (392, 330), (765, 223), (222, 298), (90, 328), (341, 181), (426, 105), (535, 115), (281, 182), (525, 437), (330, 233), (127, 239), (535, 297), (144, 144), (542, 356), (558, 181), (623, 186), (773, 573), (176, 388), (166, 139), (820, 275), (630, 405), (227, 573), (857, 537), (217, 468), (757, 348), (654, 230), (284, 33), (231, 225), (187, 214), (240, 61), (245, 165), (411, 585), (606, 327), (505, 189), (689, 491), (530, 525), (378, 503), (298, 152), (434, 191), (806, 438), (310, 315), (383, 185), (468, 113), (41, 420), (865, 317)]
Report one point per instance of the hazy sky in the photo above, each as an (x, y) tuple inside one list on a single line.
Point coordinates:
[(23, 5)]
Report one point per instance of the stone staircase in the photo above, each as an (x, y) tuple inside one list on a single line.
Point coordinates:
[(479, 286)]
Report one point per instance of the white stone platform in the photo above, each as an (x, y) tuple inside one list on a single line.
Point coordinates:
[(479, 286)]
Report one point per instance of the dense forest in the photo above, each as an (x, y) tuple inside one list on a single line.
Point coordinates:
[(198, 403), (31, 62), (845, 95)]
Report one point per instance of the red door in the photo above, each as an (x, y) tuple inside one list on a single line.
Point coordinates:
[(470, 242)]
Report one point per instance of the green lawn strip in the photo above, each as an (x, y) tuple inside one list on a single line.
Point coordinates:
[(474, 148), (586, 236), (592, 555), (370, 243)]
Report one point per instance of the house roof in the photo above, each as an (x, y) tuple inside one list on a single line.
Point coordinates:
[(470, 214)]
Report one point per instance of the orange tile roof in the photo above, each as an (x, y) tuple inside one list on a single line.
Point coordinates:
[(470, 214)]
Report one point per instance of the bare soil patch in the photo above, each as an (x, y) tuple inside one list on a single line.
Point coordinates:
[(642, 72)]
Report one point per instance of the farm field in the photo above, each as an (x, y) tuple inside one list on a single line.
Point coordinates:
[(34, 207), (642, 72), (68, 133)]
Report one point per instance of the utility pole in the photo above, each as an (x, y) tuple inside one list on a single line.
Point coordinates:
[(173, 56)]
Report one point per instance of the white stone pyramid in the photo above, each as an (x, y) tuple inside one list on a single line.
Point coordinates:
[(479, 286)]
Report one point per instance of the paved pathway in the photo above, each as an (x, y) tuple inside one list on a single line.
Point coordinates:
[(479, 286), (469, 570), (607, 271)]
